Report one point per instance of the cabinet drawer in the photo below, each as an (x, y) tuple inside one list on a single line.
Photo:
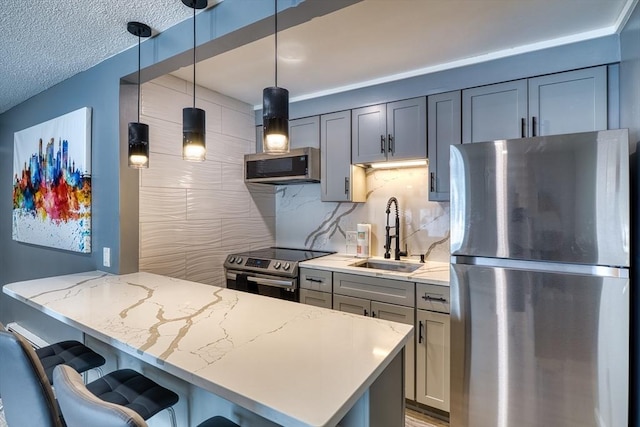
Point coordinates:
[(319, 299), (376, 289), (316, 280), (432, 297)]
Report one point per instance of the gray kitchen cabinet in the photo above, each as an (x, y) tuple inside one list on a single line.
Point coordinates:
[(316, 298), (572, 101), (397, 292), (433, 346), (340, 181), (316, 287), (390, 132), (392, 312), (383, 298), (303, 132), (432, 359), (497, 111), (443, 129)]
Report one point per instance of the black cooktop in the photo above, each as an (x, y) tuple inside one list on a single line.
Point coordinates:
[(284, 254)]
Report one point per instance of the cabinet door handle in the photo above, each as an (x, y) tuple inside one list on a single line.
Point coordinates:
[(373, 313), (430, 298), (432, 181), (382, 141), (346, 185), (534, 125), (391, 144), (311, 279), (366, 313), (420, 328), (523, 127)]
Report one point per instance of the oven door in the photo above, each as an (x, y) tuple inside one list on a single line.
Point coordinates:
[(262, 284)]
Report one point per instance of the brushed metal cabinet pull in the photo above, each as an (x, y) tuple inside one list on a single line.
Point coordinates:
[(382, 141)]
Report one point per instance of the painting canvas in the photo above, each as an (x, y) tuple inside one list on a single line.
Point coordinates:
[(52, 183)]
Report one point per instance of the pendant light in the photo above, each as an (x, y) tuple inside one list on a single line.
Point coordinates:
[(275, 109), (138, 132), (193, 119)]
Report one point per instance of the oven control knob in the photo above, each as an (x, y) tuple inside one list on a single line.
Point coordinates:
[(286, 266), (277, 265), (239, 260), (232, 259)]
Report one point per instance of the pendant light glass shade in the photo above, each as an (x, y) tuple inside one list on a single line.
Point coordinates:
[(193, 119), (138, 145), (138, 132), (275, 109)]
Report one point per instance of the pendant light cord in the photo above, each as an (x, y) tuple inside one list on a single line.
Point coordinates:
[(139, 77), (276, 40), (194, 54)]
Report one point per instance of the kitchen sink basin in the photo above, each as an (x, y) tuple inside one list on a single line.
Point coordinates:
[(402, 267)]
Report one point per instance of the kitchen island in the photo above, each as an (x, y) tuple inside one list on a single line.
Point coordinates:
[(293, 364)]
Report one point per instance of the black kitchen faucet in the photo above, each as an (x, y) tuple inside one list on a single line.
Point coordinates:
[(397, 254)]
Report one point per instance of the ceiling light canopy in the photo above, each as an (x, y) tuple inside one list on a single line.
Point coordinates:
[(275, 109), (193, 119), (138, 132)]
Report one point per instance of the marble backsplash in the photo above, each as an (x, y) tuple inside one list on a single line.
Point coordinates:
[(302, 220)]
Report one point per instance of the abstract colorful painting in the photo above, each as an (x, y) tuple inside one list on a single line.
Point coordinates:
[(52, 183)]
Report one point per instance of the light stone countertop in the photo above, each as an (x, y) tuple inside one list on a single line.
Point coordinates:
[(223, 340), (432, 272)]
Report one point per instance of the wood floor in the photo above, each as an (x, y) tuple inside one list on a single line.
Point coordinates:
[(418, 419)]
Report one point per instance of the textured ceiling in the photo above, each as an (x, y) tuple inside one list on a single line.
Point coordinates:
[(45, 42)]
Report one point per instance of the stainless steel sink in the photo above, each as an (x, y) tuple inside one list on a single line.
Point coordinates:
[(402, 267)]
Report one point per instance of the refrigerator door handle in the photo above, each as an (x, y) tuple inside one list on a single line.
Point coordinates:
[(557, 267)]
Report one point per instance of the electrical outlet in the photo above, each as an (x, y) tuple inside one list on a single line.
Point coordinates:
[(106, 257)]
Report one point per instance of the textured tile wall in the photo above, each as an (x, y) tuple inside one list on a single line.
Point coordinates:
[(193, 214), (302, 220)]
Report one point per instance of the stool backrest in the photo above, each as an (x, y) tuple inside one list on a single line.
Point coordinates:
[(81, 408), (26, 394)]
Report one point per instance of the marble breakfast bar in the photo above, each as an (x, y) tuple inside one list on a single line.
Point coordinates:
[(291, 364)]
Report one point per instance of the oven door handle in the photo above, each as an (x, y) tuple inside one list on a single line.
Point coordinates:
[(281, 283)]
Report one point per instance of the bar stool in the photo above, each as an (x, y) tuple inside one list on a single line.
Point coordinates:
[(80, 407), (72, 353), (28, 397)]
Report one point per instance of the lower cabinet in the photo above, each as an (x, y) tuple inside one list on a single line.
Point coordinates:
[(319, 299), (316, 287), (393, 312), (432, 359)]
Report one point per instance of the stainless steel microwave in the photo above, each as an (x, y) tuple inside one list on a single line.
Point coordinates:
[(300, 165)]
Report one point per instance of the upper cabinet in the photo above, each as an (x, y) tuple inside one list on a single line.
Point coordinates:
[(304, 132), (444, 121), (497, 111), (340, 180), (390, 132), (573, 101)]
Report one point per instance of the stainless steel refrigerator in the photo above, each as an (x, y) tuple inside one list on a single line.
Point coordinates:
[(540, 282)]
